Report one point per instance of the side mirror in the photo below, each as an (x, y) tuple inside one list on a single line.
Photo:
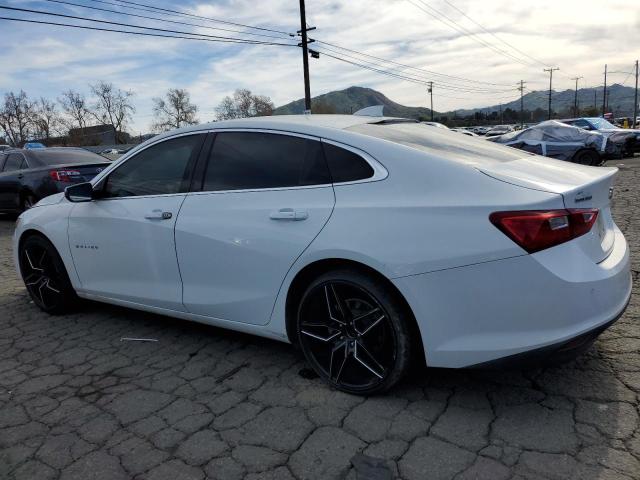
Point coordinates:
[(80, 192)]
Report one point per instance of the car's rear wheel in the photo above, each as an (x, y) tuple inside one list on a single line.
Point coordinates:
[(587, 157), (354, 332), (45, 276)]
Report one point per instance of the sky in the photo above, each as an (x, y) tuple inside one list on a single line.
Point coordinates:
[(488, 46)]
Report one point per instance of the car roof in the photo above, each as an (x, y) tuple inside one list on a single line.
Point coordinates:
[(308, 123)]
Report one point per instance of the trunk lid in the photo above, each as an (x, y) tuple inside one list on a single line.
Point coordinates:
[(580, 187), (86, 171)]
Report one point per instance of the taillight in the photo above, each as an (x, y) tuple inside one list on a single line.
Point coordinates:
[(64, 175), (535, 230)]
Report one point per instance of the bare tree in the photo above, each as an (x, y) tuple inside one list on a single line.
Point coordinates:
[(244, 104), (47, 119), (174, 111), (75, 106), (17, 117), (113, 106)]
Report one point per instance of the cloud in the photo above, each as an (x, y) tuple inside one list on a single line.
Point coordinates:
[(580, 37)]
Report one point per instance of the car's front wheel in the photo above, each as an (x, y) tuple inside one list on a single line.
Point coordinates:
[(354, 332), (45, 276)]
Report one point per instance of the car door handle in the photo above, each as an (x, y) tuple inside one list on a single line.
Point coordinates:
[(158, 215), (20, 176), (289, 214)]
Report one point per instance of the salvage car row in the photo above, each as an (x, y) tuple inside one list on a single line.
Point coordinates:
[(587, 141)]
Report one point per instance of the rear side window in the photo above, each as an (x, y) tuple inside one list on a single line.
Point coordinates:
[(161, 169), (14, 162), (252, 160), (346, 166)]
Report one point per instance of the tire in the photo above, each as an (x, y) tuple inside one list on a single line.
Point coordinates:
[(353, 332), (27, 201), (587, 157), (45, 276)]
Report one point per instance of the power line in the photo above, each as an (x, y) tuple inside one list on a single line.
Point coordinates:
[(128, 25), (266, 35), (495, 36), (442, 18), (176, 12), (84, 27), (392, 62), (384, 72), (443, 84)]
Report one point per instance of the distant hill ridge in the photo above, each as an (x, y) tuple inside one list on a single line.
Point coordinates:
[(354, 98)]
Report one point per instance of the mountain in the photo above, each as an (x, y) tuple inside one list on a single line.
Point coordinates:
[(351, 100), (620, 101), (354, 98)]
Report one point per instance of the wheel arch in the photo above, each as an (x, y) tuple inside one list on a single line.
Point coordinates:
[(31, 232), (312, 270)]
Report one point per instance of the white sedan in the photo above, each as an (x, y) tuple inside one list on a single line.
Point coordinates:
[(369, 242)]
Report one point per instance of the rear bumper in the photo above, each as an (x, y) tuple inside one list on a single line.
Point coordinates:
[(481, 313), (552, 354)]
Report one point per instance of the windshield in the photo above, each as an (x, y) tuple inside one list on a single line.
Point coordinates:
[(601, 123), (441, 142)]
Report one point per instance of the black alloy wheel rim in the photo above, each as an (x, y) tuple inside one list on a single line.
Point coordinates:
[(347, 335), (41, 276)]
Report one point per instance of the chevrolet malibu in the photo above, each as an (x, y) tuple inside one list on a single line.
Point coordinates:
[(369, 242)]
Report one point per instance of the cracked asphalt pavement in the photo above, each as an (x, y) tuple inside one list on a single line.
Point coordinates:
[(76, 402)]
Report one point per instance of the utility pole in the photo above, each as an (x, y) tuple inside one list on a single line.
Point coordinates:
[(550, 70), (575, 99), (604, 96), (431, 94), (521, 88), (305, 56), (595, 99), (501, 116), (635, 101)]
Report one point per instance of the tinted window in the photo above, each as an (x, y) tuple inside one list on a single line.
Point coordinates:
[(160, 169), (346, 166), (247, 160), (14, 162)]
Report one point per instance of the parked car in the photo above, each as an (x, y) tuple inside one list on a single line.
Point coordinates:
[(499, 130), (464, 131), (628, 140), (369, 242), (481, 130), (5, 147), (33, 145), (111, 151), (561, 141), (26, 176), (436, 124)]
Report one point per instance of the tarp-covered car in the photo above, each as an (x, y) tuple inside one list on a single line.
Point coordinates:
[(558, 140), (627, 140)]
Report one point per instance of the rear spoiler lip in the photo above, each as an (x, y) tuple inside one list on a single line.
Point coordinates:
[(608, 172)]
